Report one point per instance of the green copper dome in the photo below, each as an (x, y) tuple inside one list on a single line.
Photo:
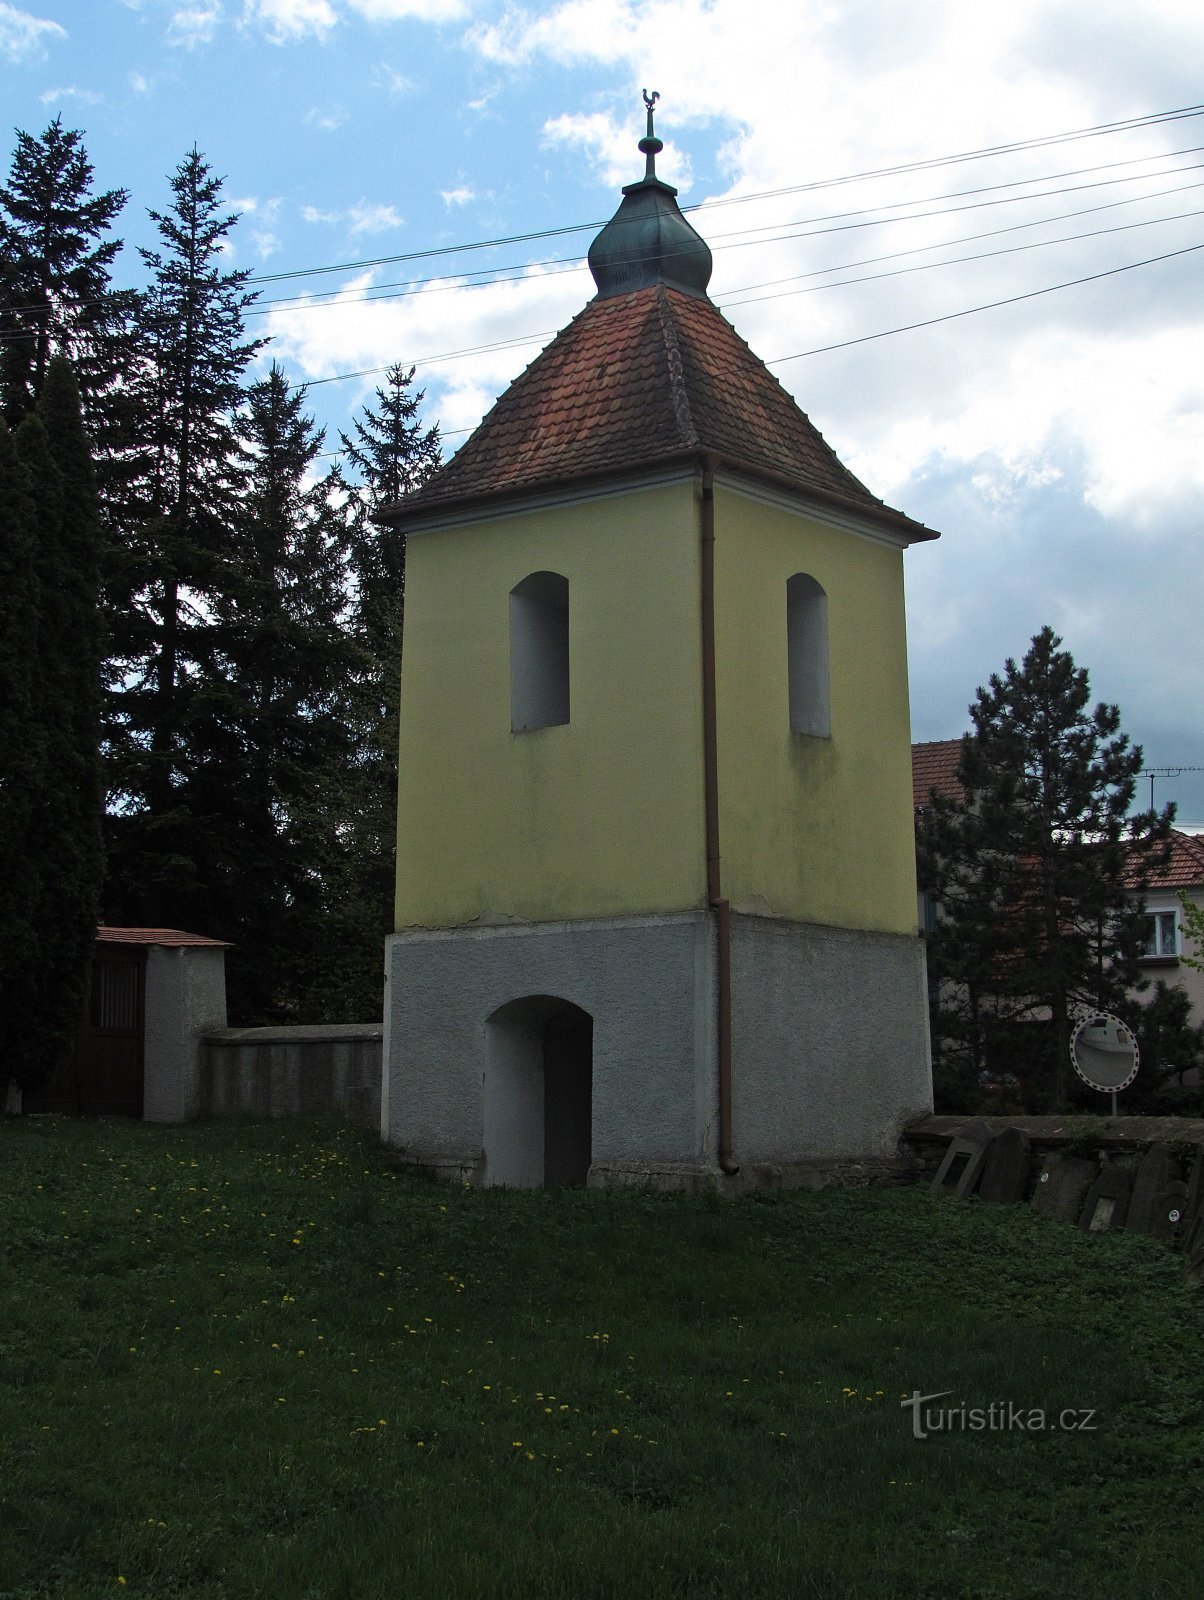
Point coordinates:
[(648, 241)]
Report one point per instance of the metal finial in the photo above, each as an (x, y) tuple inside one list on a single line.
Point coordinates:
[(650, 144)]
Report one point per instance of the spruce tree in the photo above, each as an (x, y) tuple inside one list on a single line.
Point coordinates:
[(56, 296), (287, 665), (1038, 875), (390, 454), (179, 561)]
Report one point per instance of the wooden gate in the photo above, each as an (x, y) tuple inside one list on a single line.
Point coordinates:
[(102, 1077)]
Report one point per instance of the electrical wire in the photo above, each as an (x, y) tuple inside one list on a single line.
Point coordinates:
[(957, 261), (1154, 119), (993, 305), (436, 286), (516, 273)]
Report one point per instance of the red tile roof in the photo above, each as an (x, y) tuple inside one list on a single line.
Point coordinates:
[(934, 766), (171, 937), (1185, 870), (640, 380)]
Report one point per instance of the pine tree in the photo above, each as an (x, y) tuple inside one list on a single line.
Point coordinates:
[(180, 560), (391, 454), (1038, 875), (1171, 1050)]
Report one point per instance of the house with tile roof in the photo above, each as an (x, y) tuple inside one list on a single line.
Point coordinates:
[(655, 911), (934, 770), (1168, 940)]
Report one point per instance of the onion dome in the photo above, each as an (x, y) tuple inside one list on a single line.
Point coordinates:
[(648, 241)]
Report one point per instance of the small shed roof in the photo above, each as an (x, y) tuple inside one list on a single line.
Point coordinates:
[(171, 938)]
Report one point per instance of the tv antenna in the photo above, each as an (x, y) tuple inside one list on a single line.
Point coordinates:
[(1166, 772)]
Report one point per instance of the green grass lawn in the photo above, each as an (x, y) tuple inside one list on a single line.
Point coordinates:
[(251, 1359)]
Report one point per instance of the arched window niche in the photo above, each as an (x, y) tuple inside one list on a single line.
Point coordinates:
[(539, 652), (807, 654)]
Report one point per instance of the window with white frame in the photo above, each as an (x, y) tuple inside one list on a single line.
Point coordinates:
[(807, 655), (539, 652), (1161, 936)]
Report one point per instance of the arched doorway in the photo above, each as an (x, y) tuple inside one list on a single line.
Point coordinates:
[(538, 1093)]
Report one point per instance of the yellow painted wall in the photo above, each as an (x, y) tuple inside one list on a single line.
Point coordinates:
[(603, 816), (817, 829)]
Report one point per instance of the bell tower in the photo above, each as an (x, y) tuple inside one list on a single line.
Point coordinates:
[(655, 916)]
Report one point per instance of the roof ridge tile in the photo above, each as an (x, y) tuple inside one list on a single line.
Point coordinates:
[(677, 382)]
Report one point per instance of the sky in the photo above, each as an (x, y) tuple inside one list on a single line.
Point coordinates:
[(418, 180)]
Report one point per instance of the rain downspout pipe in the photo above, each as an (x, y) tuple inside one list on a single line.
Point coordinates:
[(715, 900)]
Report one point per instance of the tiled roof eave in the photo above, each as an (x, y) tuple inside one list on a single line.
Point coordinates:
[(865, 511), (420, 508)]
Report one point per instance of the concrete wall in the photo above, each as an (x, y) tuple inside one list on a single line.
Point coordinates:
[(648, 985), (284, 1072), (185, 996), (830, 1045)]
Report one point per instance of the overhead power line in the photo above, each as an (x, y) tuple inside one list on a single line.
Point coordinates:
[(992, 305), (810, 230), (1130, 124), (777, 232), (374, 293)]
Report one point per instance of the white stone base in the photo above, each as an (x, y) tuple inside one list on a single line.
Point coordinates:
[(830, 1048)]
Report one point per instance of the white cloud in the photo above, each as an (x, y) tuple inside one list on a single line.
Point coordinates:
[(286, 20), (327, 118), (377, 218), (139, 83), (389, 78), (194, 25), (86, 97), (23, 37), (610, 143), (350, 333), (1058, 441), (462, 196), (361, 218), (418, 10)]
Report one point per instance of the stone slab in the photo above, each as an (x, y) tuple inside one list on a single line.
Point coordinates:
[(963, 1162), (1007, 1168), (1107, 1202), (1192, 1230), (1158, 1169), (1166, 1216), (1195, 1267), (1062, 1186)]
